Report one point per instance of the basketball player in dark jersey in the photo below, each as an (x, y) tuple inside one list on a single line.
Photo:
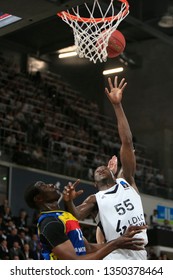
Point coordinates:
[(59, 231)]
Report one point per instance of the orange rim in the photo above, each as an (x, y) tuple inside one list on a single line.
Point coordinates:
[(83, 19)]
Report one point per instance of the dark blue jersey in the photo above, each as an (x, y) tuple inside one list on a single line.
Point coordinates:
[(54, 228)]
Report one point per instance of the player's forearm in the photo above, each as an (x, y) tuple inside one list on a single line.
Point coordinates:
[(101, 250), (123, 125), (93, 247)]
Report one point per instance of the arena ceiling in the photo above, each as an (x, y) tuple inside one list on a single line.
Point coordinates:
[(40, 31)]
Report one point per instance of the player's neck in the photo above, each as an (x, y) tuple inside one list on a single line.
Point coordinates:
[(104, 185), (50, 206)]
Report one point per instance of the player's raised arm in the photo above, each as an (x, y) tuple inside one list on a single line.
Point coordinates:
[(127, 157)]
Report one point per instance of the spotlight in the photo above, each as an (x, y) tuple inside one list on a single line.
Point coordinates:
[(114, 70), (68, 54), (166, 21)]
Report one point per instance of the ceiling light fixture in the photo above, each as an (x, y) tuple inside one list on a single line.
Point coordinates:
[(114, 70), (68, 54), (166, 20)]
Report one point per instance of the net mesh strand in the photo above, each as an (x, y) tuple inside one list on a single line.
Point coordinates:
[(91, 37)]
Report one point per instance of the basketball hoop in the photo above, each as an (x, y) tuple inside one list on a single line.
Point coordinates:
[(90, 30)]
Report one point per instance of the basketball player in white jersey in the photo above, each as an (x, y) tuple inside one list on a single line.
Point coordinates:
[(117, 201)]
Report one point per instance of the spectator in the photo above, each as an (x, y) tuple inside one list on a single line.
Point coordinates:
[(152, 254), (37, 253), (28, 253), (15, 250), (34, 242), (139, 175), (3, 207), (13, 237), (23, 239), (4, 252), (10, 142), (160, 178), (97, 161), (166, 225), (3, 235), (163, 256), (7, 215), (38, 157), (2, 225), (38, 154), (154, 218), (9, 226), (21, 220)]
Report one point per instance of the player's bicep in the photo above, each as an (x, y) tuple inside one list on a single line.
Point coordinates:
[(87, 207)]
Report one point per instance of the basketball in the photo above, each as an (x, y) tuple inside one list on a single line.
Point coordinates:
[(116, 44)]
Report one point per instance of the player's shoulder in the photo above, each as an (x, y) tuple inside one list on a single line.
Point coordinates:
[(47, 220), (91, 199), (122, 180), (50, 223), (126, 184)]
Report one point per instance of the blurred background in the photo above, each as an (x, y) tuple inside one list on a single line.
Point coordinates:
[(57, 124)]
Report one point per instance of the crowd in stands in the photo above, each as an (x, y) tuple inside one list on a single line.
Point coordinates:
[(46, 124), (18, 239)]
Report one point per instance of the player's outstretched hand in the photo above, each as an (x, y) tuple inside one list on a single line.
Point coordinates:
[(69, 192), (115, 91)]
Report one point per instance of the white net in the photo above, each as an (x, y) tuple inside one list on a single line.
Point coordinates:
[(91, 34)]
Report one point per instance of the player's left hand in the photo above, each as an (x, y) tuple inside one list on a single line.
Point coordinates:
[(112, 164), (69, 192)]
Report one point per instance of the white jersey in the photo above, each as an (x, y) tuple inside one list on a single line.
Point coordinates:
[(119, 207)]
